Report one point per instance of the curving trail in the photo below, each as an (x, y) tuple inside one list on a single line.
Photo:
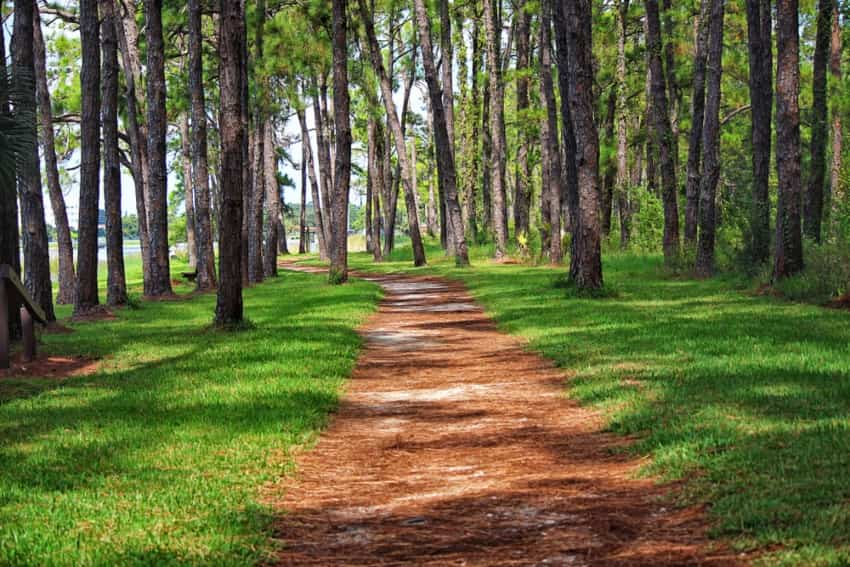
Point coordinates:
[(455, 446)]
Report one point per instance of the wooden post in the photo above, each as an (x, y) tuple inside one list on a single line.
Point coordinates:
[(29, 335), (4, 326)]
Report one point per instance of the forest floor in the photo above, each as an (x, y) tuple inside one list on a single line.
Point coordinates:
[(741, 398), (455, 445)]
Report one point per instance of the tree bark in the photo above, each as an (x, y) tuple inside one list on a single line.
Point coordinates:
[(711, 144), (338, 272), (137, 135), (256, 262), (670, 75), (835, 70), (188, 192), (574, 28), (247, 153), (569, 181), (609, 177), (486, 162), (158, 181), (228, 310), (759, 41), (493, 27), (398, 135), (116, 283), (86, 295), (549, 150), (522, 186), (813, 210), (36, 256), (622, 189), (442, 141), (302, 217), (376, 183), (789, 244), (54, 188), (323, 158), (694, 174), (473, 154), (200, 168), (321, 231), (272, 200), (663, 134)]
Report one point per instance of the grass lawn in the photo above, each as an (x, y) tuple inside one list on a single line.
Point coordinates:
[(159, 458), (745, 398)]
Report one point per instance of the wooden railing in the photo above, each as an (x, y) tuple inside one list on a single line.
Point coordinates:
[(13, 295)]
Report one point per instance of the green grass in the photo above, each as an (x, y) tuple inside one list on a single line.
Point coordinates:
[(160, 457), (745, 398)]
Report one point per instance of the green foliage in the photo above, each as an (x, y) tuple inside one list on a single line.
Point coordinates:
[(159, 457), (826, 276)]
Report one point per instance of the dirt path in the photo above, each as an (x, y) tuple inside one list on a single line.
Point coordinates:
[(454, 446)]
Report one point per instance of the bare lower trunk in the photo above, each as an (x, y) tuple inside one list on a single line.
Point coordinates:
[(835, 71), (813, 209), (116, 283), (711, 144), (158, 182), (789, 244), (497, 107), (136, 134), (258, 197), (398, 135), (663, 134), (522, 185), (338, 272), (54, 188), (206, 279), (34, 233), (86, 296), (272, 201), (302, 216), (228, 310), (443, 144), (550, 152), (694, 173), (759, 40), (189, 197), (321, 231), (376, 182), (574, 27), (622, 189)]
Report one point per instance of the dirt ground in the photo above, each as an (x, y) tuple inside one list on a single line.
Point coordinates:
[(455, 446)]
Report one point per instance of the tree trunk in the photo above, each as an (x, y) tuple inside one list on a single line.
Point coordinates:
[(158, 182), (323, 158), (258, 197), (228, 310), (442, 141), (574, 28), (493, 26), (189, 198), (550, 153), (86, 294), (522, 186), (376, 184), (36, 255), (247, 153), (692, 188), (302, 216), (663, 134), (338, 272), (670, 75), (200, 169), (608, 179), (759, 40), (470, 220), (789, 244), (54, 188), (486, 162), (136, 133), (835, 70), (272, 201), (116, 283), (622, 190), (321, 231), (711, 144), (446, 70), (370, 180), (569, 174), (10, 252), (395, 127), (813, 210)]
